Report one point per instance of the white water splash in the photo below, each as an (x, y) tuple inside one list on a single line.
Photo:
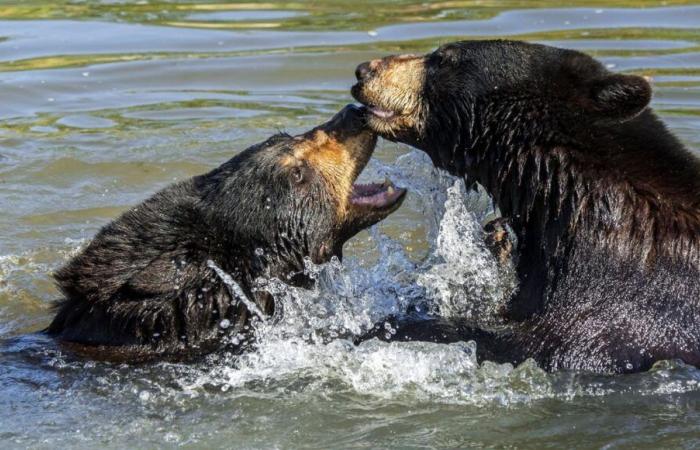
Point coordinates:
[(462, 277), (310, 335), (306, 349), (235, 290)]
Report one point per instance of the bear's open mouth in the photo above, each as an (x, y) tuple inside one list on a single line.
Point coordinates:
[(383, 113), (376, 195), (380, 112)]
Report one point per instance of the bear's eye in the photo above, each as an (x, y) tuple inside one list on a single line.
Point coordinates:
[(297, 175)]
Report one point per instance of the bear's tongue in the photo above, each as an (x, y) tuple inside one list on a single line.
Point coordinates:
[(375, 194)]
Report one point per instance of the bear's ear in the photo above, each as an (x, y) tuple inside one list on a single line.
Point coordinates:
[(618, 97)]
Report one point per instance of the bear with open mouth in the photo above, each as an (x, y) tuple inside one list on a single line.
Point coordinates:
[(603, 200), (152, 283)]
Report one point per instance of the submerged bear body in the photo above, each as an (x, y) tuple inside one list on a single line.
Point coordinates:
[(153, 283), (603, 199)]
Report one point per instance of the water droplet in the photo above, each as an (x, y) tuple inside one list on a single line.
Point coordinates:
[(225, 323)]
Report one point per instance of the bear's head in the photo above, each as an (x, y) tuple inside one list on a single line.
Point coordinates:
[(293, 197), (471, 90)]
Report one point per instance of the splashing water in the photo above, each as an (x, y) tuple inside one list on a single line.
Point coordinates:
[(310, 335), (184, 86), (307, 347), (462, 277), (235, 290), (304, 372)]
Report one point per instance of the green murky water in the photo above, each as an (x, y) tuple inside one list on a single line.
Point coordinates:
[(103, 103)]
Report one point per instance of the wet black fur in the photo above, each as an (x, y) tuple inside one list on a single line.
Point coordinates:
[(604, 200), (142, 287)]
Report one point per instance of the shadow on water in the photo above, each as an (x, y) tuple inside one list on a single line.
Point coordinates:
[(107, 102)]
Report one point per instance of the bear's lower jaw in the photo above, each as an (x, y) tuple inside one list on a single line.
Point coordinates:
[(376, 195), (392, 124), (369, 204), (388, 116)]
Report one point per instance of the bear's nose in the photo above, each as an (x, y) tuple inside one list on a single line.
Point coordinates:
[(364, 70)]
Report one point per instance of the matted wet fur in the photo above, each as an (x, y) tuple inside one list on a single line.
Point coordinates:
[(144, 288), (603, 199)]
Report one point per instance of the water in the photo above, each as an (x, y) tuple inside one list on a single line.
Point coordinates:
[(106, 102)]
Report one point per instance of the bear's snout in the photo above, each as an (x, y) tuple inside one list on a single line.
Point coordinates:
[(391, 89), (350, 119)]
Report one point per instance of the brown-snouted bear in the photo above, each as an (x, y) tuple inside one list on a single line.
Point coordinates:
[(146, 288), (603, 199)]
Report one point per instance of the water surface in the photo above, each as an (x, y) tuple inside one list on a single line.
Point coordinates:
[(104, 103)]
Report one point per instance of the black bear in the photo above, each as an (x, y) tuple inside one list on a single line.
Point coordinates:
[(604, 201), (155, 282)]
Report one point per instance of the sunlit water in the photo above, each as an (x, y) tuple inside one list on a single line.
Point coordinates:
[(102, 104)]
